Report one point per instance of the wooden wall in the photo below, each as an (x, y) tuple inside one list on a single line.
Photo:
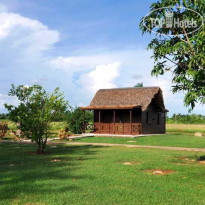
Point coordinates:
[(153, 120), (122, 123)]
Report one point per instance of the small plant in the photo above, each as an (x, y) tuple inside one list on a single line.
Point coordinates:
[(3, 130), (63, 133)]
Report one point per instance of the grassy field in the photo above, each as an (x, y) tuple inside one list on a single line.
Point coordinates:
[(171, 140), (186, 128), (56, 126), (98, 175)]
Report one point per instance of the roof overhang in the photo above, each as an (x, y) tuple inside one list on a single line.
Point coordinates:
[(109, 107), (166, 110)]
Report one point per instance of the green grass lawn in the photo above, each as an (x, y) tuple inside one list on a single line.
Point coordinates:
[(172, 140), (97, 175)]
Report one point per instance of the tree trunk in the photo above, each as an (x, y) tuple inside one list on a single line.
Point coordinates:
[(40, 149)]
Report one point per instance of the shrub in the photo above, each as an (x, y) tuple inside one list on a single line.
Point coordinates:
[(3, 130), (77, 119)]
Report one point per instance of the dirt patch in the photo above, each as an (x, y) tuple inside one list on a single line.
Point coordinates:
[(130, 163), (130, 141), (186, 159), (30, 203), (53, 147), (181, 164), (56, 160), (190, 160), (12, 165), (160, 171)]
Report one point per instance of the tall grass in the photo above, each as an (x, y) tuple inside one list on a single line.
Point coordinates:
[(57, 125), (11, 125), (186, 128)]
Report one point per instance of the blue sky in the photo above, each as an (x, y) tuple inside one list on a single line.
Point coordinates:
[(79, 46)]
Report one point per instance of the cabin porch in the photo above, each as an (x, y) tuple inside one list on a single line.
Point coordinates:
[(119, 121)]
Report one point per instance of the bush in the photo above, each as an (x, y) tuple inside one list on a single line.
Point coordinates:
[(4, 116), (3, 130), (76, 120)]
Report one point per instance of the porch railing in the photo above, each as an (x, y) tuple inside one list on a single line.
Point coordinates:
[(117, 128)]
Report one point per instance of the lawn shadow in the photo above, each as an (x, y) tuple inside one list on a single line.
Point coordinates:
[(54, 171)]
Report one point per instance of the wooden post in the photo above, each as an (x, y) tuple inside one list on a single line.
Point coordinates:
[(84, 121), (131, 121), (165, 114), (113, 121), (99, 121), (93, 121)]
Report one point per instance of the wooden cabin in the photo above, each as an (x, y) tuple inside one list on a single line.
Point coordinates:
[(128, 111)]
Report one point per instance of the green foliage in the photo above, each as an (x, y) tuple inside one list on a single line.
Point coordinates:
[(138, 85), (184, 52), (77, 119), (4, 116), (186, 119), (35, 111)]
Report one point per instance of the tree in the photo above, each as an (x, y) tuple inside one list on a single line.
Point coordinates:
[(183, 55), (35, 111), (4, 116), (77, 119), (138, 85)]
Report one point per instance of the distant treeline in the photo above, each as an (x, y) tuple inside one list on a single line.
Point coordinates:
[(186, 119), (55, 119), (176, 118), (4, 117)]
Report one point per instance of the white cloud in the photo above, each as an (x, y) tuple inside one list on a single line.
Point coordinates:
[(79, 63), (103, 76), (23, 43), (98, 71), (28, 34)]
